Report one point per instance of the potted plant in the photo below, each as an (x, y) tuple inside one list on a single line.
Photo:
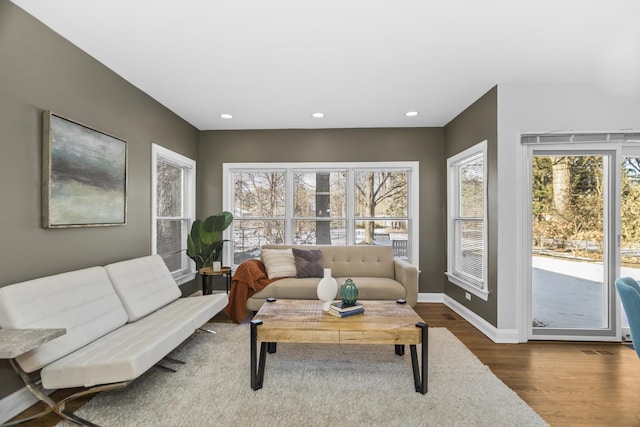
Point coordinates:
[(204, 242)]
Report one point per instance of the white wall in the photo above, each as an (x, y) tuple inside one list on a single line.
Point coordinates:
[(540, 108)]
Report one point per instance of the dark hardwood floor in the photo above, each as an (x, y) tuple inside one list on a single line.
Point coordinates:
[(568, 384)]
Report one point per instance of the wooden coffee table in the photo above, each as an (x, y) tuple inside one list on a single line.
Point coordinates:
[(303, 321)]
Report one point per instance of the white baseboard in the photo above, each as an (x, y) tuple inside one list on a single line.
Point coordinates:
[(17, 402), (501, 336), (431, 297)]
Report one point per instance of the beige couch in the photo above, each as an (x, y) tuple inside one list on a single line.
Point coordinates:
[(378, 275)]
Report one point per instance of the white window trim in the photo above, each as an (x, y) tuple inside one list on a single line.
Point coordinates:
[(412, 208), (452, 203), (189, 200)]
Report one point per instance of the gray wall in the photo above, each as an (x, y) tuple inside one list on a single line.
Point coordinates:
[(475, 124), (336, 145), (39, 70)]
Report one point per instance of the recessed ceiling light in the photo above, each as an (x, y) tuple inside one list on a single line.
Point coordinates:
[(317, 115), (411, 113), (226, 116)]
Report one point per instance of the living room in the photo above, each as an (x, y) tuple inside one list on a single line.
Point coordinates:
[(41, 71)]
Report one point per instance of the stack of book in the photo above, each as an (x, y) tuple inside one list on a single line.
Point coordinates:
[(340, 309)]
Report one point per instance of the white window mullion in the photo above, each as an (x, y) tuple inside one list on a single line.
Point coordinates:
[(350, 208), (288, 208)]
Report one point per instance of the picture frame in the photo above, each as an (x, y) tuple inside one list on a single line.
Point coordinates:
[(84, 175)]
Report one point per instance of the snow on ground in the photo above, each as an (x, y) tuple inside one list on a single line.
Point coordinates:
[(569, 294)]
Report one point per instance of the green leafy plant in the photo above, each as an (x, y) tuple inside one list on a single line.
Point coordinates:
[(204, 242)]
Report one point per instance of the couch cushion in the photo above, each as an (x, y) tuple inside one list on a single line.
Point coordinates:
[(375, 288), (359, 261), (279, 263), (83, 302), (128, 352), (372, 288), (308, 262), (143, 285), (291, 287)]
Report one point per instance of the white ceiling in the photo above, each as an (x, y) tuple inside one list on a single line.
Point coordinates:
[(363, 63)]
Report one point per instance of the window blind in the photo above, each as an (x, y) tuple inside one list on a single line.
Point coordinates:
[(581, 138)]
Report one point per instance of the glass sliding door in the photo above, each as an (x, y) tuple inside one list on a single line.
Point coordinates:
[(629, 220), (572, 245)]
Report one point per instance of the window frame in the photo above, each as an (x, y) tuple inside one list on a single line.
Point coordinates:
[(188, 167), (454, 163), (412, 203)]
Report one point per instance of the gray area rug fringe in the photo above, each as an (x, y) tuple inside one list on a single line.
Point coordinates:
[(312, 385)]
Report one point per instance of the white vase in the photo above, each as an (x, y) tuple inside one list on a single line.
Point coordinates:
[(327, 289)]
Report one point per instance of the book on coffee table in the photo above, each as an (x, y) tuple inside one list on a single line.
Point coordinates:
[(346, 313), (342, 307)]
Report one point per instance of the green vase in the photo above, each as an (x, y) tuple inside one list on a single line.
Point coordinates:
[(349, 292)]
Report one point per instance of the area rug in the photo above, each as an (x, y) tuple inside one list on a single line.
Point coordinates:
[(312, 385)]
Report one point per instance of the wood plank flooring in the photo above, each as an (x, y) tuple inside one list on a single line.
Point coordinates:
[(568, 384)]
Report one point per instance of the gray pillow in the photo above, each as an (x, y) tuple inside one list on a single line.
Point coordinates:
[(308, 262)]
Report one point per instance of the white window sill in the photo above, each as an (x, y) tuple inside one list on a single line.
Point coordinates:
[(458, 281), (183, 278)]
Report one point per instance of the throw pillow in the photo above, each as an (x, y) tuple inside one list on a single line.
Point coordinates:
[(308, 262), (279, 263)]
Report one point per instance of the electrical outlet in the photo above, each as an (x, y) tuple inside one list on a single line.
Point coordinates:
[(467, 295)]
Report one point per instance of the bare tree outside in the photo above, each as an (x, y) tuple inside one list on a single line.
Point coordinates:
[(323, 228), (259, 210), (630, 223), (319, 202), (568, 204), (379, 189), (319, 207), (561, 170)]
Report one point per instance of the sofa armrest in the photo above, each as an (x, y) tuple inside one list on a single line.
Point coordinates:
[(407, 275)]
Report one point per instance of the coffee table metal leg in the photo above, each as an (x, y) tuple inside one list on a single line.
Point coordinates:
[(399, 349), (420, 373), (257, 372), (263, 357)]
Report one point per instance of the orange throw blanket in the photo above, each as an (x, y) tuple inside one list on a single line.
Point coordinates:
[(249, 278)]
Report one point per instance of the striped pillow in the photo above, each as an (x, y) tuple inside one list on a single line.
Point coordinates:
[(279, 263)]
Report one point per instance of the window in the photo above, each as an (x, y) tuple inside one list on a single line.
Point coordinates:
[(173, 209), (466, 228), (322, 204)]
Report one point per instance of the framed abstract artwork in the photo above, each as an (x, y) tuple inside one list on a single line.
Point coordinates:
[(84, 175)]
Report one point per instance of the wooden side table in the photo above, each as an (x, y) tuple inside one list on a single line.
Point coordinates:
[(208, 273)]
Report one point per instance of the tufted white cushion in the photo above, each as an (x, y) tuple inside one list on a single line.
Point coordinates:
[(128, 352), (279, 263), (83, 302), (143, 285)]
